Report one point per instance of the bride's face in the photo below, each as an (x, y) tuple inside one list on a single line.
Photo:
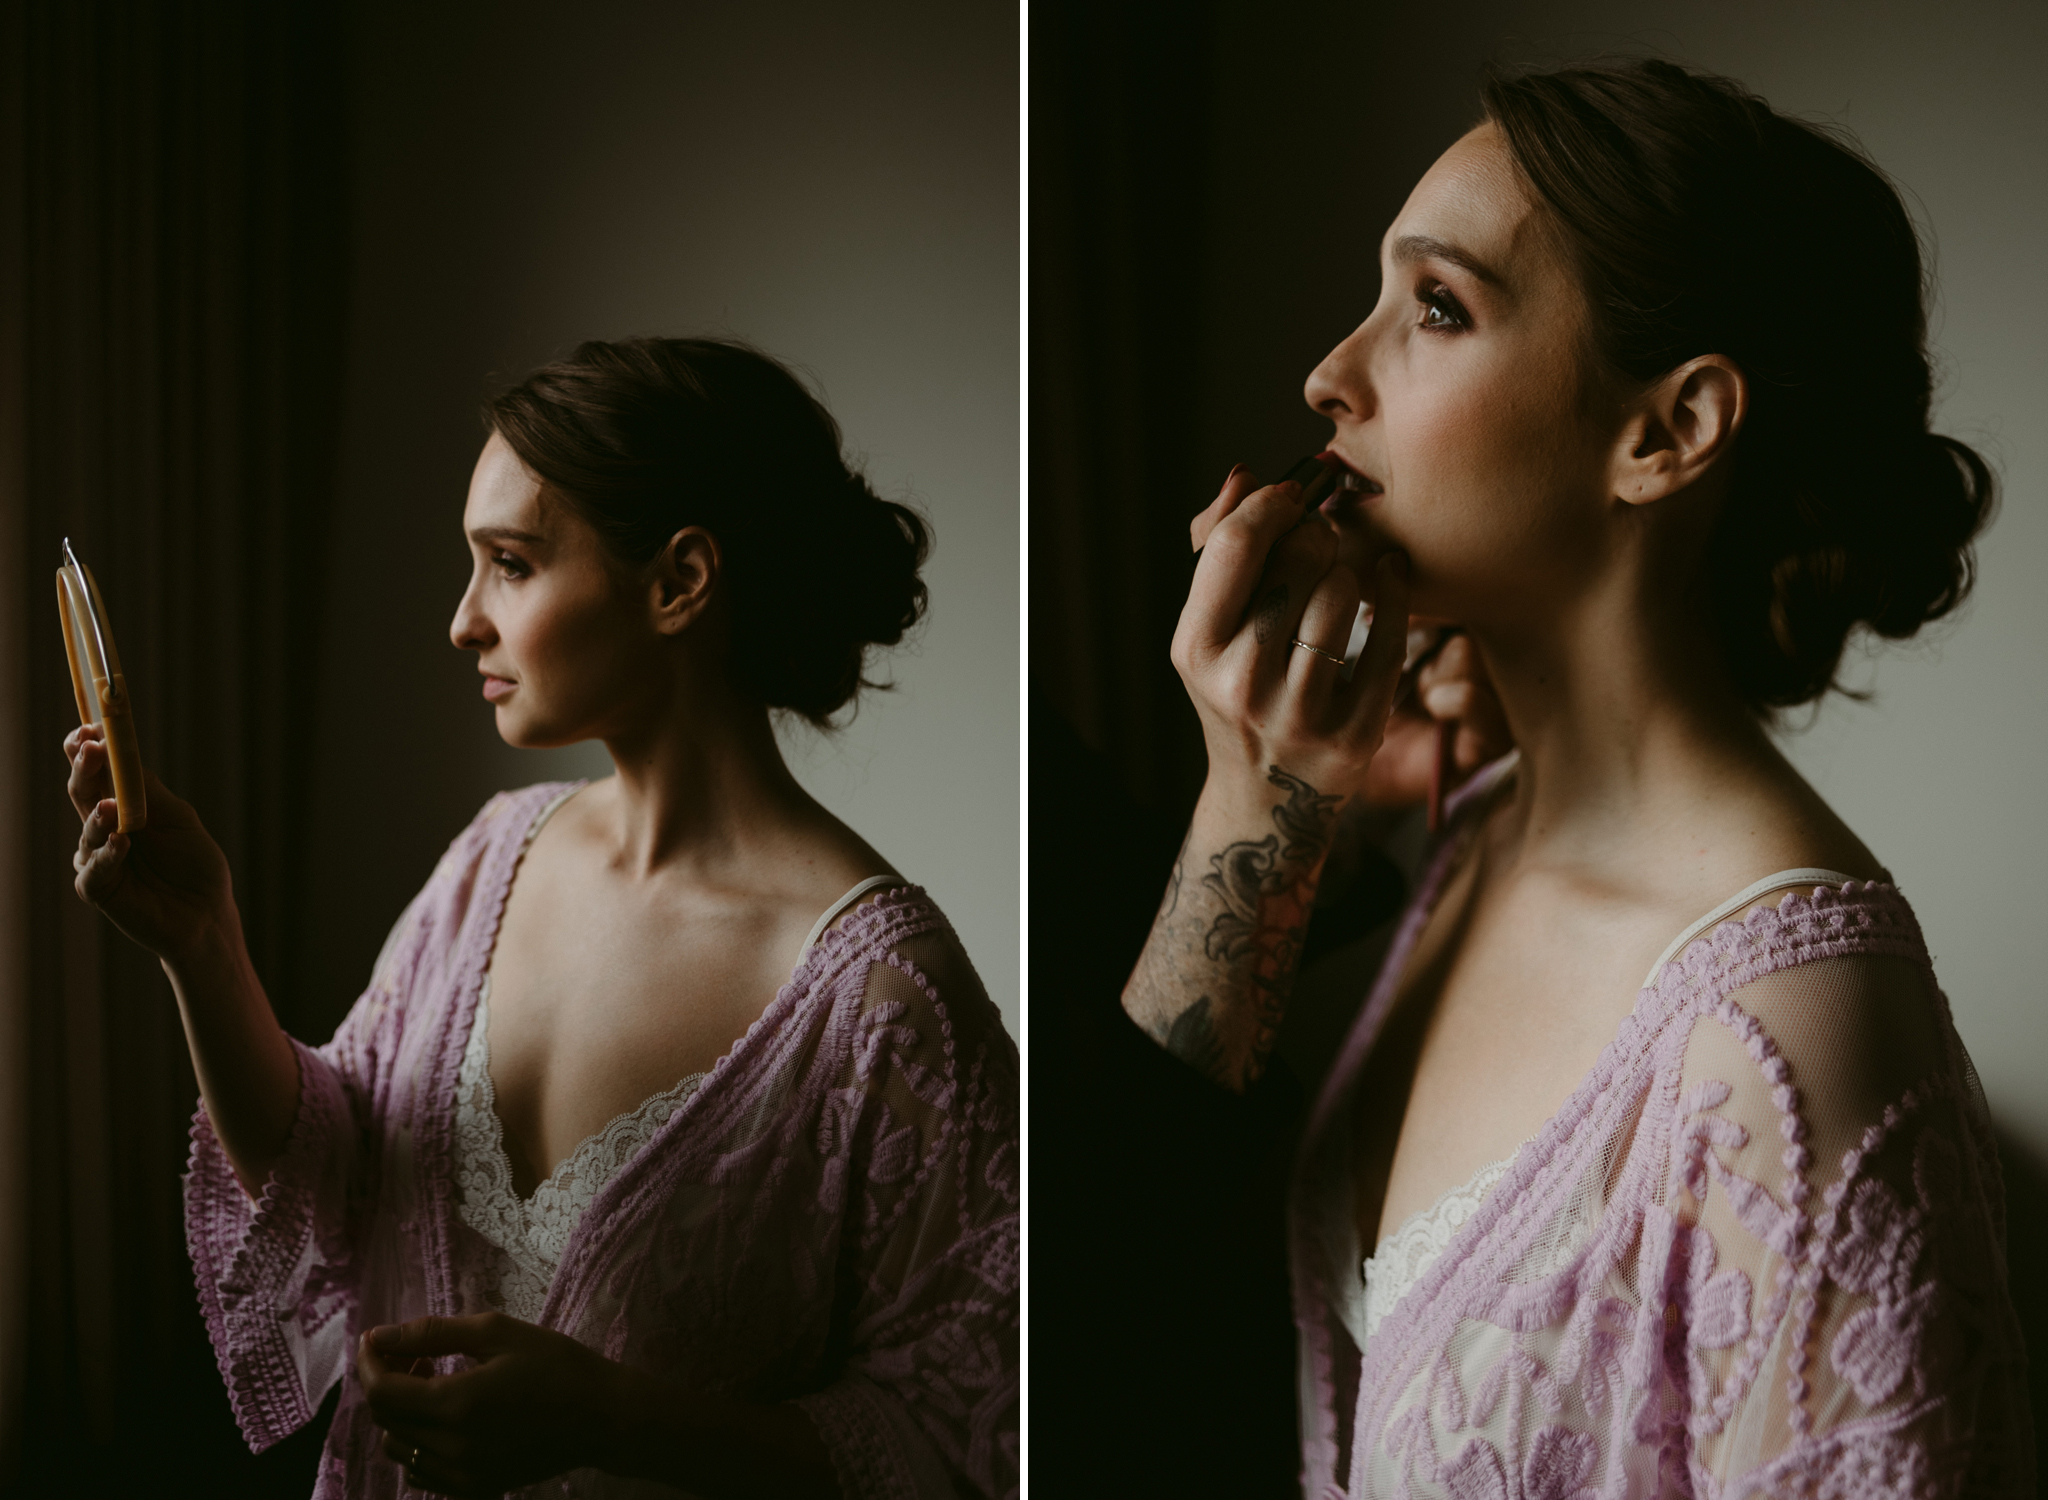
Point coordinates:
[(560, 635), (1468, 397)]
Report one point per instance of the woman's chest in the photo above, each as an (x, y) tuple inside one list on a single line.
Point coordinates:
[(600, 1000), (1503, 1008)]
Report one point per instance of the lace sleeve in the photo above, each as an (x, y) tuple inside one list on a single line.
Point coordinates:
[(275, 1278), (1836, 1319), (926, 1402)]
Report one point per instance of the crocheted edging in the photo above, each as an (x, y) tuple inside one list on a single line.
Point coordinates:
[(1860, 918), (493, 844), (868, 931), (1402, 1258), (239, 1273), (1312, 1302), (1311, 1315), (527, 1234), (1768, 940), (867, 1458), (877, 1229)]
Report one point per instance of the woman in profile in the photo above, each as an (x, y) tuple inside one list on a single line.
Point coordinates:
[(1653, 1164), (672, 1148)]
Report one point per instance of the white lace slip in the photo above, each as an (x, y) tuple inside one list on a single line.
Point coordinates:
[(530, 1234), (1405, 1255)]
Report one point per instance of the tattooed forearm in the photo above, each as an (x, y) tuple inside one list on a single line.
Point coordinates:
[(1213, 981), (1306, 818)]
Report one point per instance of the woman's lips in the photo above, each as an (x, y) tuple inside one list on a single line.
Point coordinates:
[(497, 687), (1354, 490), (1352, 485)]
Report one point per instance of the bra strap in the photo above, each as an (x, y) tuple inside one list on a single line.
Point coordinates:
[(1783, 880), (832, 912)]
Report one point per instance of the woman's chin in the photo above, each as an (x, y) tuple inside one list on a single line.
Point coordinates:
[(519, 731), (526, 735)]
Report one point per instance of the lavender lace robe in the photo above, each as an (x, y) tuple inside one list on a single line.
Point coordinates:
[(1759, 1251), (831, 1217)]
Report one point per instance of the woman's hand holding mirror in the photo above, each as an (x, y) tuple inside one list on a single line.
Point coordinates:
[(166, 886)]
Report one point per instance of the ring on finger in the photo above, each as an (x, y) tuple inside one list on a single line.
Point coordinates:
[(1319, 651)]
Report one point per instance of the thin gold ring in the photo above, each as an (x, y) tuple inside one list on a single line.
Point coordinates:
[(414, 1461), (1319, 651)]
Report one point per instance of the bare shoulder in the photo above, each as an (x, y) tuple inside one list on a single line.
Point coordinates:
[(1742, 828), (1812, 835)]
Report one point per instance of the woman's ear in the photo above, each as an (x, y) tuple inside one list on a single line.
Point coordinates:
[(685, 579), (1680, 426)]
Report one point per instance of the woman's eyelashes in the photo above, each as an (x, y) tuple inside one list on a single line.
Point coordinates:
[(509, 566), (1440, 311)]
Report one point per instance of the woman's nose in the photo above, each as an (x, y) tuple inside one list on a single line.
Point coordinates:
[(1339, 388), (470, 630)]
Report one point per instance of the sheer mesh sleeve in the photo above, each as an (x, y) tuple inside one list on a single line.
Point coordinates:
[(276, 1275), (1835, 1320), (926, 1402)]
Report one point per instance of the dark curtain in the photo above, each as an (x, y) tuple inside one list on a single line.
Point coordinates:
[(171, 316), (1161, 1344), (1121, 94)]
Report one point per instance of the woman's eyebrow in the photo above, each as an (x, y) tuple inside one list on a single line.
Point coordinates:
[(1414, 247), (505, 534)]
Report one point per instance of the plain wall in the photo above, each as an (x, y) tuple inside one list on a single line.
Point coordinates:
[(837, 185), (1939, 772)]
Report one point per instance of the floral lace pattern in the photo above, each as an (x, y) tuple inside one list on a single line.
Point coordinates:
[(830, 1216), (1403, 1256), (529, 1235), (1758, 1252)]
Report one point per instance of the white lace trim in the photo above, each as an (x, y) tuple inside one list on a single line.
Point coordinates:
[(530, 1234), (527, 1236), (1403, 1257)]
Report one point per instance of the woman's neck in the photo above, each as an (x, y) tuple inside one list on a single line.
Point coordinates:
[(702, 785), (1627, 727)]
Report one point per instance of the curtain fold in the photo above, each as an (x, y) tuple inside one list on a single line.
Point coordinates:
[(172, 280), (14, 772), (1121, 97)]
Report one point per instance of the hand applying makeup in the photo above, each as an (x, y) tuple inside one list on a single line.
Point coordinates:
[(1449, 687), (1260, 648)]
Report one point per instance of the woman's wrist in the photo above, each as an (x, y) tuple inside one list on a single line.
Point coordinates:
[(1212, 982), (214, 952), (1253, 802)]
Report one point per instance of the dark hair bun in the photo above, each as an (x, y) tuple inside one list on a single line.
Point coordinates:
[(1706, 223), (645, 437)]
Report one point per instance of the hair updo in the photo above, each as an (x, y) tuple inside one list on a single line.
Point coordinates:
[(1705, 223), (644, 437)]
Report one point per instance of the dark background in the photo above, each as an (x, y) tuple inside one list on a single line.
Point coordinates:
[(259, 265), (1209, 186)]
